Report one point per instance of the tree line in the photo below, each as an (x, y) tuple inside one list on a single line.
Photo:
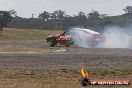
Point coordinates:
[(60, 20)]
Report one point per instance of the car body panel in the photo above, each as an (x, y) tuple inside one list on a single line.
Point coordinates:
[(67, 39)]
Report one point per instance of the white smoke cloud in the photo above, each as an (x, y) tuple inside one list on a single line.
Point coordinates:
[(81, 37), (114, 37)]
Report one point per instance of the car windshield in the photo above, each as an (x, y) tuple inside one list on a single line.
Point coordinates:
[(67, 33)]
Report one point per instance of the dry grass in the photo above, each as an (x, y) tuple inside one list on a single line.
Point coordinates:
[(36, 36), (63, 78), (14, 78), (10, 48), (27, 34)]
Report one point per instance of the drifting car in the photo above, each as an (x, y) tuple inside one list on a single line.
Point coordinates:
[(68, 38)]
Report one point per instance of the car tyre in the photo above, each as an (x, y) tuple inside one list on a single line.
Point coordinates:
[(52, 42)]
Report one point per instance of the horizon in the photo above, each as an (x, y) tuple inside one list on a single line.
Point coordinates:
[(27, 8)]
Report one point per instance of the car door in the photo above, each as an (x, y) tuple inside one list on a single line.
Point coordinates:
[(68, 38)]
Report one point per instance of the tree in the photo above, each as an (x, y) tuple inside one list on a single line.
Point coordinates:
[(5, 17), (81, 13), (82, 19), (93, 15), (96, 21), (57, 18), (45, 15), (128, 9), (13, 13), (103, 15), (59, 14), (93, 18)]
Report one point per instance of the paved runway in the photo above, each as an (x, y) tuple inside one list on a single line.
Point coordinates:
[(72, 58)]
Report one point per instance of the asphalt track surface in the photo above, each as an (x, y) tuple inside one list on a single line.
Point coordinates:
[(71, 58)]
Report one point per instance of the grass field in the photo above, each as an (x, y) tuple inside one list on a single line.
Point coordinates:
[(54, 78), (46, 78), (12, 48), (27, 34), (33, 36)]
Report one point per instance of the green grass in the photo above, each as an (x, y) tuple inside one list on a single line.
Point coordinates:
[(27, 34)]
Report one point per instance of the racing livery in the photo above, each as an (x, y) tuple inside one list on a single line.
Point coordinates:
[(68, 39)]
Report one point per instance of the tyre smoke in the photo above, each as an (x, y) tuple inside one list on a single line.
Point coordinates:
[(82, 37), (114, 37)]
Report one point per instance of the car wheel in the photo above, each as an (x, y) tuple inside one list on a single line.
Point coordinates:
[(52, 42)]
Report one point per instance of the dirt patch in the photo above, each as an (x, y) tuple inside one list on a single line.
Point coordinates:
[(13, 48), (57, 69), (63, 78)]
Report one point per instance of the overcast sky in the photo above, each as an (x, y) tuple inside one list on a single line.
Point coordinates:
[(25, 8)]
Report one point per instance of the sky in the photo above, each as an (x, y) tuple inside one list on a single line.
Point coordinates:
[(25, 8)]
